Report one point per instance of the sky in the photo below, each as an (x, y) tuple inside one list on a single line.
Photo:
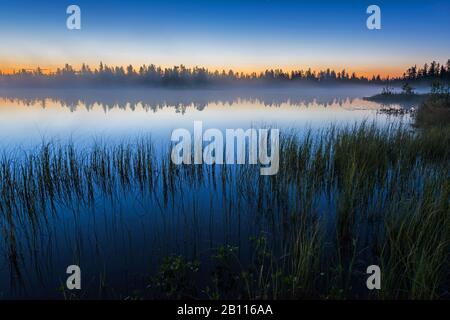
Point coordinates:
[(241, 35)]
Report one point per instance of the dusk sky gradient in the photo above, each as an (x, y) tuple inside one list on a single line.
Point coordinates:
[(241, 35)]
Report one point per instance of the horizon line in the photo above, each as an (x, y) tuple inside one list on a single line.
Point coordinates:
[(53, 69)]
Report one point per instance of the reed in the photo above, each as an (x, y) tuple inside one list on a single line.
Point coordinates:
[(344, 198)]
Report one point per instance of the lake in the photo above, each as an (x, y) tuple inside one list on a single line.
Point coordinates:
[(120, 233), (29, 116)]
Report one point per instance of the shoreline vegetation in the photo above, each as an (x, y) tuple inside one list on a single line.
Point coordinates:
[(433, 108), (397, 98), (184, 77), (343, 199), (434, 111)]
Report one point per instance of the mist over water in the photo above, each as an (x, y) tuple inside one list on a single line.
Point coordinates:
[(29, 116)]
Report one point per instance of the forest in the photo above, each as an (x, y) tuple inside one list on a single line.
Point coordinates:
[(182, 76)]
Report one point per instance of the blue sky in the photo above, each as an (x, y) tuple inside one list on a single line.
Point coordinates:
[(244, 35)]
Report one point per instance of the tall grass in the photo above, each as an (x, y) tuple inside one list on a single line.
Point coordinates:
[(344, 199)]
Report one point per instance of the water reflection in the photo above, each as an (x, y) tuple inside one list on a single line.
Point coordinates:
[(154, 100), (29, 116)]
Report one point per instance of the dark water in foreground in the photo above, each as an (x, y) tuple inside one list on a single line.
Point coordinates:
[(121, 237)]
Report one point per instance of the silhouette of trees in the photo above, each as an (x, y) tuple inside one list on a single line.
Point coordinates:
[(429, 73), (181, 76)]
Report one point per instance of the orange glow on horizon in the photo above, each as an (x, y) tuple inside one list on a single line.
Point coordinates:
[(368, 72)]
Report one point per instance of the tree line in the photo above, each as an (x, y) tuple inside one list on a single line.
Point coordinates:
[(181, 76), (430, 72)]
